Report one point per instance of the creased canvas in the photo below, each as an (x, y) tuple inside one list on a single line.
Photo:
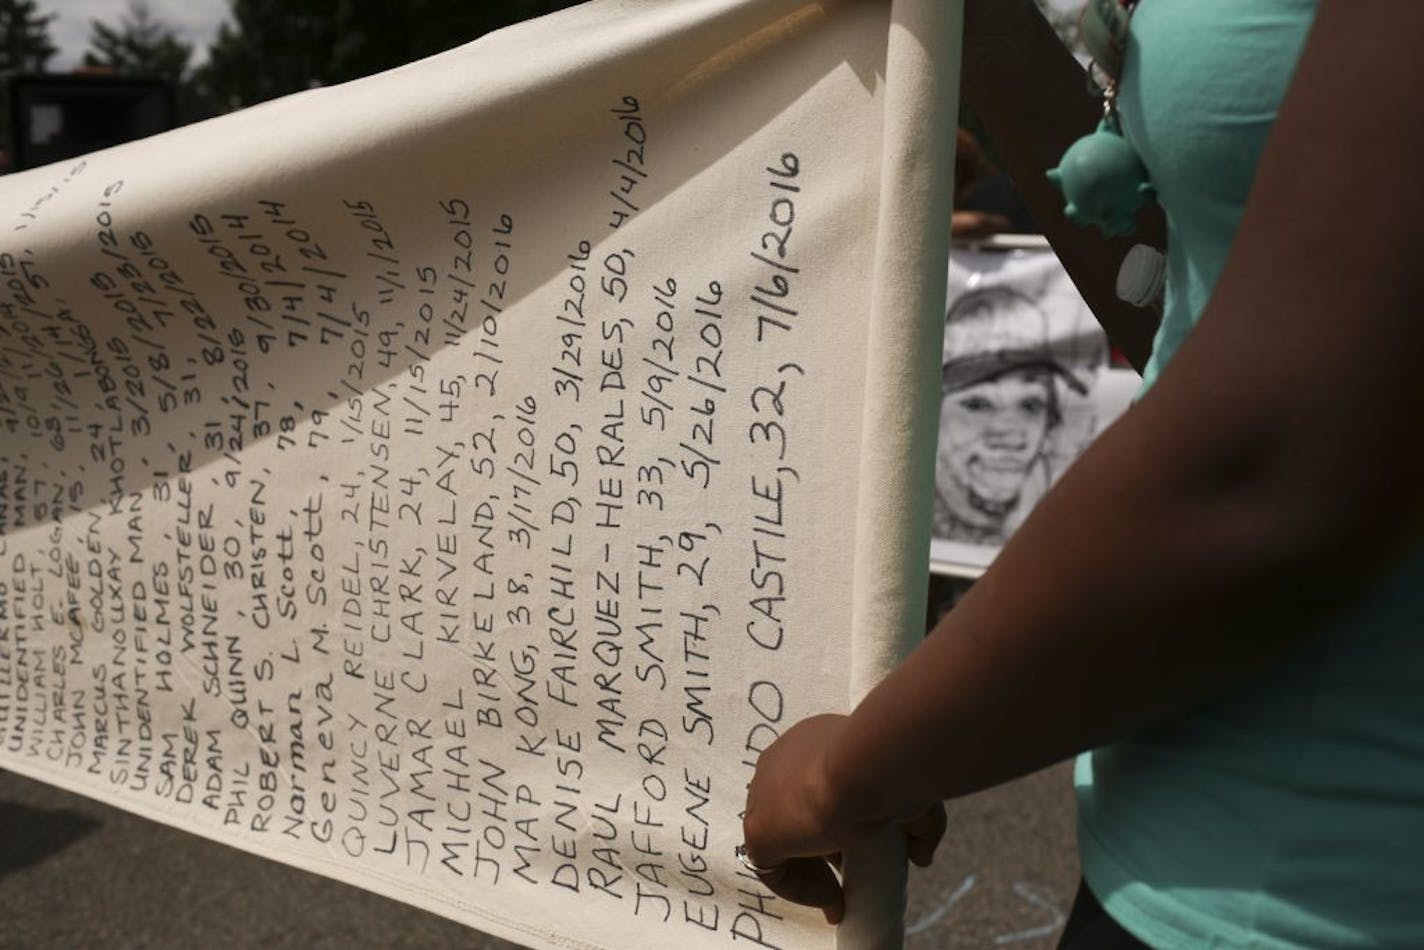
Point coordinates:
[(449, 482)]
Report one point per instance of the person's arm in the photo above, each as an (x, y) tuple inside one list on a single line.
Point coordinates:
[(977, 225), (1032, 96), (1270, 475)]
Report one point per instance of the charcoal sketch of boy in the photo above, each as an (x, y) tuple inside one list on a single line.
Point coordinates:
[(1000, 407)]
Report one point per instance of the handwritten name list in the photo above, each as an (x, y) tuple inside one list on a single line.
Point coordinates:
[(460, 518)]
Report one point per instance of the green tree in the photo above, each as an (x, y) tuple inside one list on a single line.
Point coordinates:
[(269, 48), (273, 47), (143, 45), (139, 45), (25, 46)]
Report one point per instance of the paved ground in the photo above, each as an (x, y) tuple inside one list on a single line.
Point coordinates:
[(77, 874)]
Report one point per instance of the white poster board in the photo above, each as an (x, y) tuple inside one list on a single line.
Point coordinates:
[(443, 482), (1026, 384)]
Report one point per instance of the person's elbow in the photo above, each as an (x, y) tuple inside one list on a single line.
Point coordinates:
[(1321, 508)]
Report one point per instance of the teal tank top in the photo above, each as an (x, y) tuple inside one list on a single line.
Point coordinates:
[(1291, 812)]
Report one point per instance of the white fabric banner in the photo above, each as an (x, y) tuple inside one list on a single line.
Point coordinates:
[(1025, 386), (450, 481)]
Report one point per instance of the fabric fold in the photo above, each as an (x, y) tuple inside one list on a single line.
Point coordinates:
[(902, 402), (446, 482)]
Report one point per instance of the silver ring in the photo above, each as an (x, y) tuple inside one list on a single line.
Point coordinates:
[(741, 852)]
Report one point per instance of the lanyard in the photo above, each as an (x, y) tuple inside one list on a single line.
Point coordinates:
[(1104, 33), (1101, 176)]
